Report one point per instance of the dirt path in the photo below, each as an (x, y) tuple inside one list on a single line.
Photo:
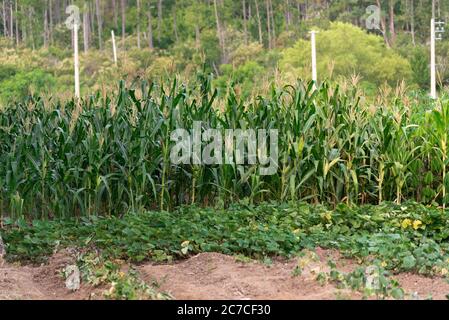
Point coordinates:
[(44, 282), (211, 276), (216, 276)]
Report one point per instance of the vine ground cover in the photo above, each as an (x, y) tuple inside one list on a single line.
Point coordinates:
[(405, 237), (393, 238)]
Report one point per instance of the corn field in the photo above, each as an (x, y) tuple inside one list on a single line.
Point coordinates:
[(108, 155)]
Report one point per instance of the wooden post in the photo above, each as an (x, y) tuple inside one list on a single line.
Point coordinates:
[(314, 71), (76, 55)]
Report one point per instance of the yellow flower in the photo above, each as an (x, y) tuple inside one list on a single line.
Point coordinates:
[(406, 223), (383, 264), (444, 272), (303, 262), (185, 243), (416, 224)]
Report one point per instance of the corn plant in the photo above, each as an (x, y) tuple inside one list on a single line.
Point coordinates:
[(109, 154)]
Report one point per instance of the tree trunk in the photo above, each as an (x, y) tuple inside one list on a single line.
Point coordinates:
[(5, 24), (287, 15), (91, 16), (383, 27), (11, 21), (46, 27), (220, 34), (123, 8), (99, 24), (138, 24), (150, 27), (58, 11), (85, 30), (268, 23), (306, 11), (392, 28), (175, 25), (298, 8), (412, 21), (197, 37), (259, 22), (17, 25), (273, 25), (23, 27), (114, 9), (245, 24), (123, 13), (433, 9), (159, 20), (30, 19), (50, 29)]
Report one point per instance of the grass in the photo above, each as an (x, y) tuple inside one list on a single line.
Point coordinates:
[(108, 154)]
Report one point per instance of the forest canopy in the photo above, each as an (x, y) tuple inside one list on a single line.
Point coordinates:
[(250, 43)]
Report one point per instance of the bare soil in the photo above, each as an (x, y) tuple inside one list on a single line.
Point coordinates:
[(217, 276), (44, 282), (211, 276)]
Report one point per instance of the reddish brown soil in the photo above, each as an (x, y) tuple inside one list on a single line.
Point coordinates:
[(217, 276), (435, 288), (44, 282), (211, 276)]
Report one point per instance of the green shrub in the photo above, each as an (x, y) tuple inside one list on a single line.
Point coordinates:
[(343, 51)]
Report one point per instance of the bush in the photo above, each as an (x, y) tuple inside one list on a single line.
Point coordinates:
[(345, 50), (245, 75), (23, 83), (420, 67), (7, 71)]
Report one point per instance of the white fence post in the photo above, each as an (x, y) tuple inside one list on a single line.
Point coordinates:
[(314, 71), (433, 82)]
